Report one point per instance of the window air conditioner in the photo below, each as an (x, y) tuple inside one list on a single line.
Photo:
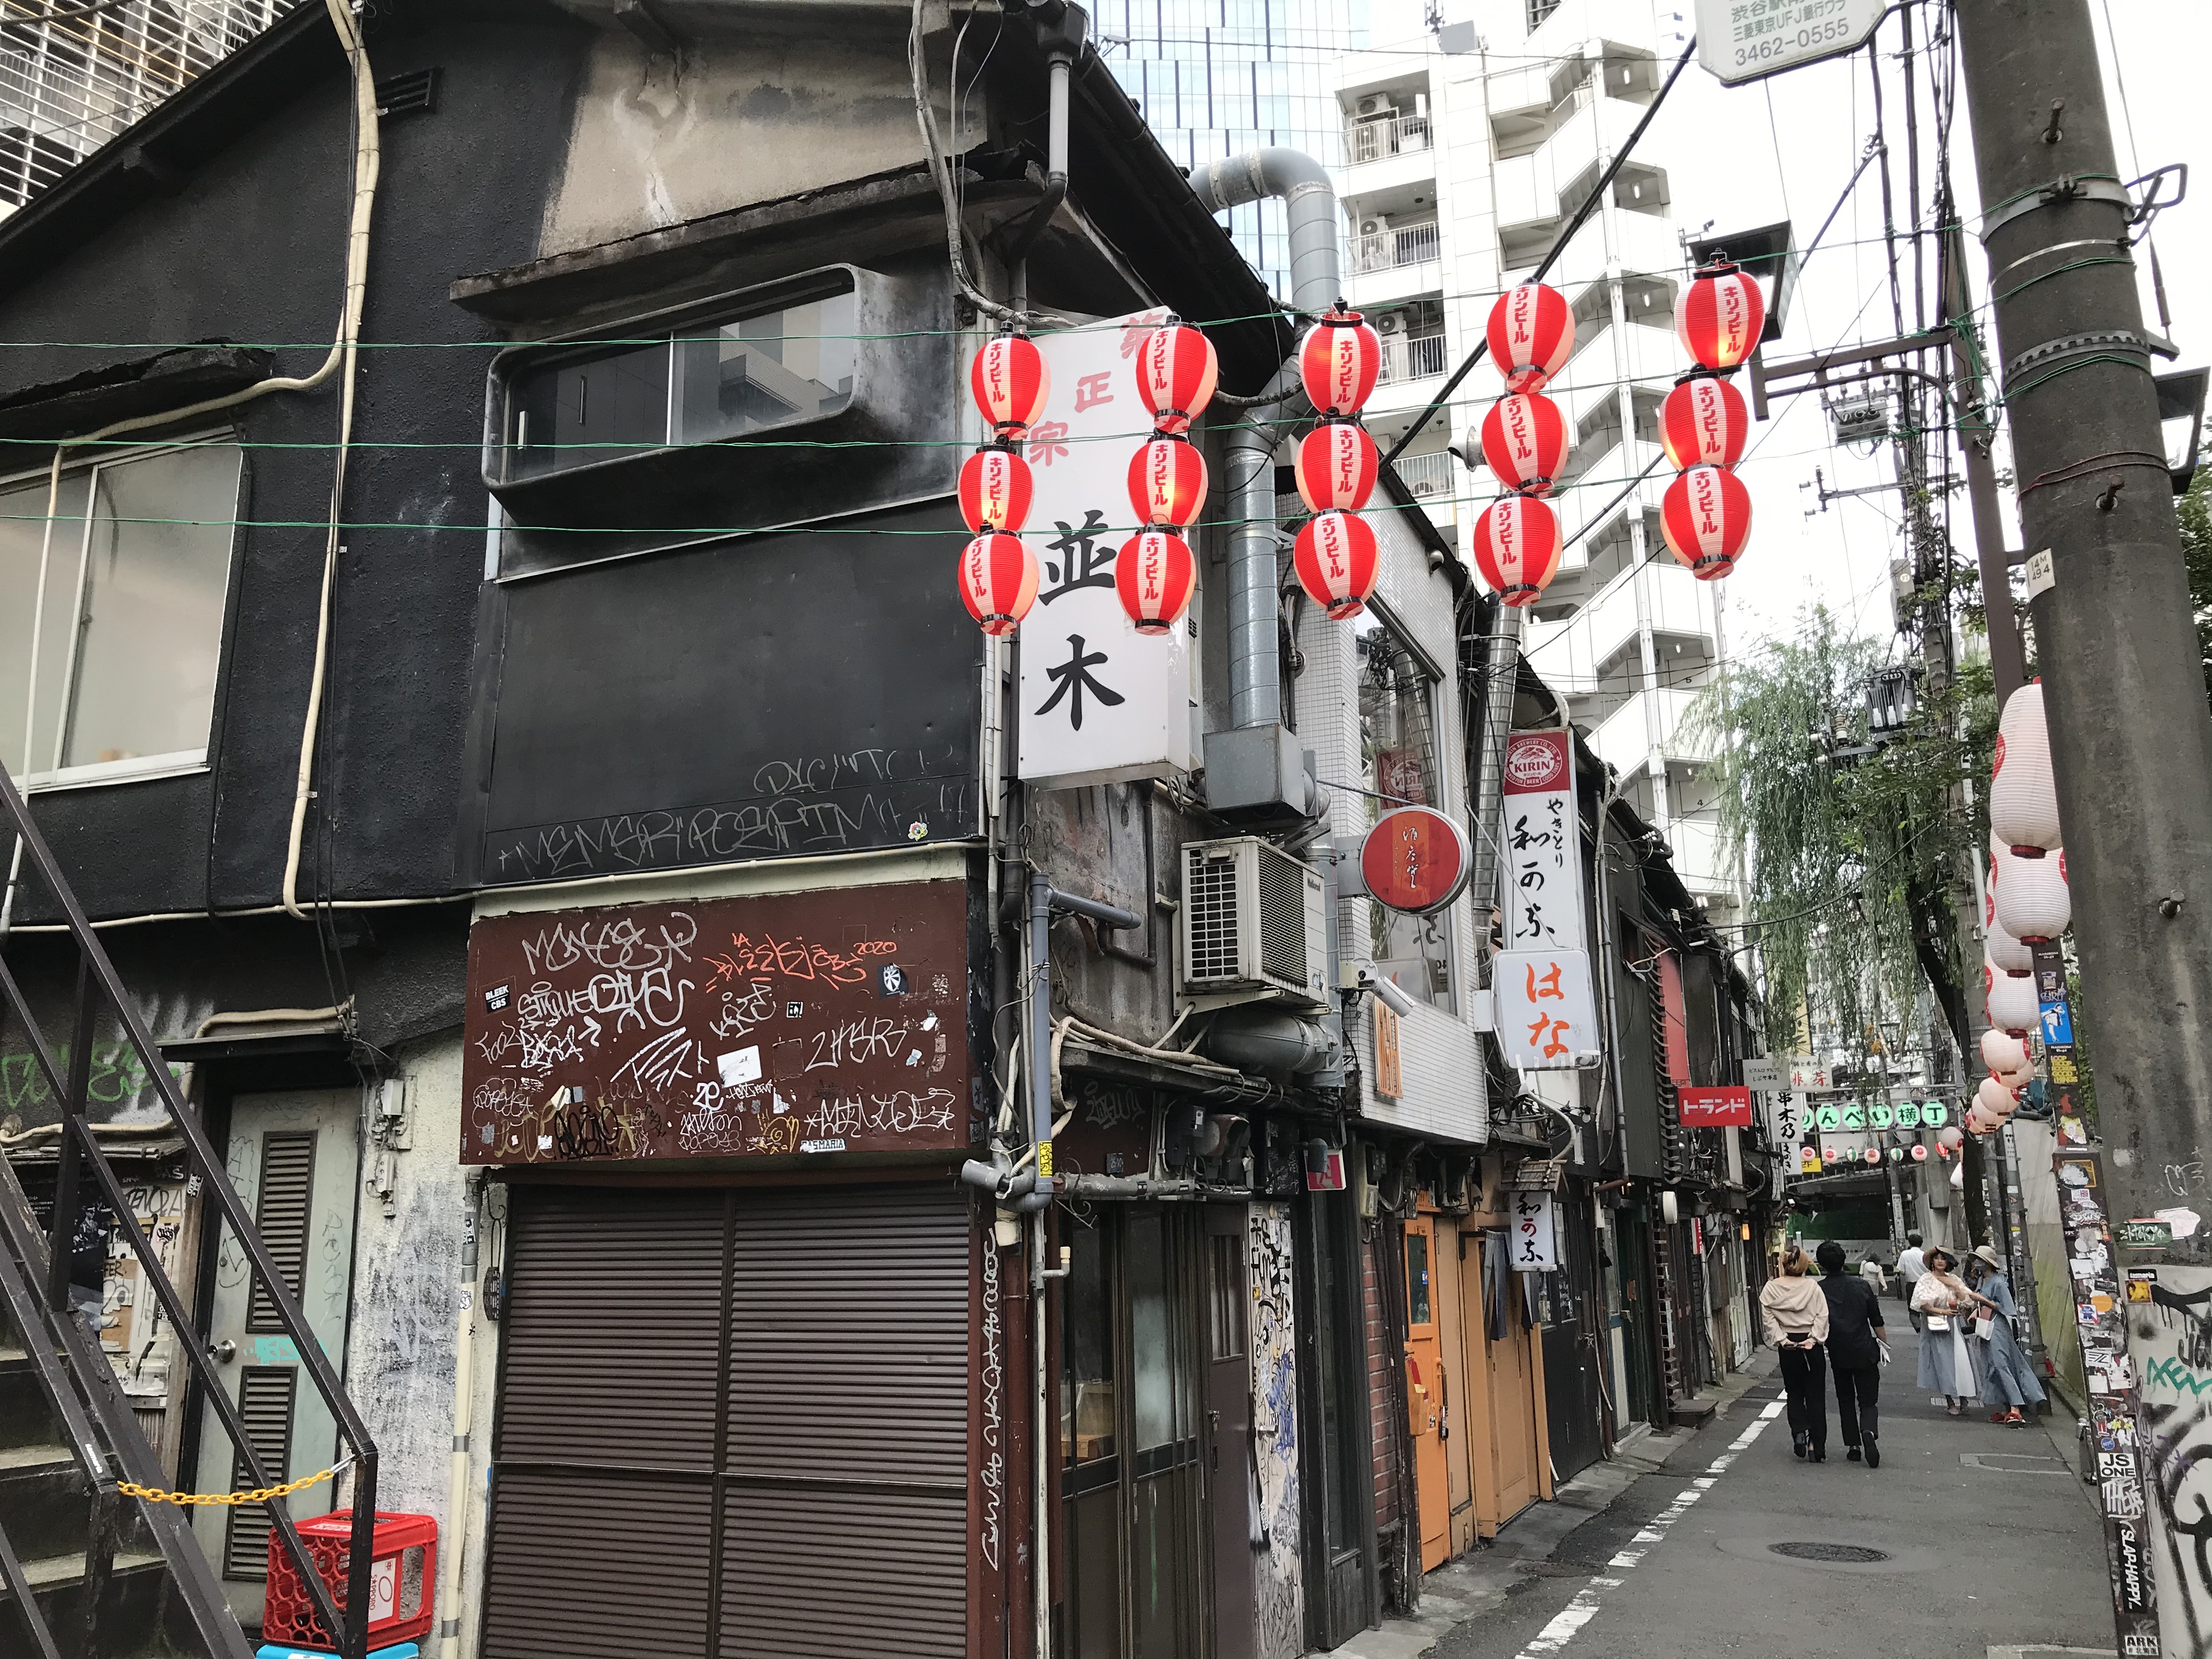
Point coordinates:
[(1374, 225), (1376, 104), (1252, 923), (1389, 322)]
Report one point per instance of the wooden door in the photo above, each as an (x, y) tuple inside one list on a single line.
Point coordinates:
[(1425, 1393), (1516, 1472)]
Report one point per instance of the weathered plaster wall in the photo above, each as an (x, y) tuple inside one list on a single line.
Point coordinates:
[(731, 122), (1278, 1573)]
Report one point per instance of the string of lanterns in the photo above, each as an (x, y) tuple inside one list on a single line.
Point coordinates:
[(1334, 554), (1154, 574), (998, 571), (1524, 443), (1706, 513), (2027, 904)]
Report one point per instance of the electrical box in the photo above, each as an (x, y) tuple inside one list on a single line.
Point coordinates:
[(1252, 922)]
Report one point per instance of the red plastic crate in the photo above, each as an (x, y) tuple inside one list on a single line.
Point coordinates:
[(402, 1579)]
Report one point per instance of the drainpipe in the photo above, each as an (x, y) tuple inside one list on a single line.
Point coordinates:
[(1062, 40), (1256, 689), (457, 1480)]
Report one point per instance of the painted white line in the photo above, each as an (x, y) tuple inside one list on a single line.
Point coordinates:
[(1570, 1618), (1776, 1409)]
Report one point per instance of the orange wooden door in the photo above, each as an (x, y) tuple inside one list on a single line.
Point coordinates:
[(1513, 1427), (1425, 1396)]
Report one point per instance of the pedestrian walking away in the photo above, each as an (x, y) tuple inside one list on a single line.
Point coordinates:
[(1797, 1316), (2008, 1379), (1869, 1270), (1950, 1364), (1910, 1265), (1855, 1354)]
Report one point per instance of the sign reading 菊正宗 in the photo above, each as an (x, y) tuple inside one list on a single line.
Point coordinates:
[(830, 1021), (1741, 40), (1546, 1014), (1099, 702)]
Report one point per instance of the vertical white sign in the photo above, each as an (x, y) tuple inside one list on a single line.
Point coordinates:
[(1543, 851), (1535, 1245), (1547, 1017), (1099, 702)]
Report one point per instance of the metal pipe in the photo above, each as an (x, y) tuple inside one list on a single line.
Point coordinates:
[(1055, 175), (1501, 669), (1256, 688)]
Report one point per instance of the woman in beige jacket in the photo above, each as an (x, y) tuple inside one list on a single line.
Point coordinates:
[(1797, 1316)]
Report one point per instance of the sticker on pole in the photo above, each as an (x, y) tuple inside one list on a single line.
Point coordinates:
[(1415, 860), (1738, 42)]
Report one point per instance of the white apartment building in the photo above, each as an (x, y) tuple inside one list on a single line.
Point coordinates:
[(1462, 159)]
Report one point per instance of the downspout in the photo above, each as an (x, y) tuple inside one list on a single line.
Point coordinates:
[(1255, 687), (1060, 61), (1501, 667)]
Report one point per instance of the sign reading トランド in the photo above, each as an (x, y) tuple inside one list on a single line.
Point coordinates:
[(1741, 40), (1099, 701), (1546, 1014)]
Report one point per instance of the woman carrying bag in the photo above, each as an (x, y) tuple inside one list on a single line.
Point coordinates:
[(1797, 1316), (2010, 1382), (1950, 1364)]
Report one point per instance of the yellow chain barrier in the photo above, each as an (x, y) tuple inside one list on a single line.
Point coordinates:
[(260, 1495)]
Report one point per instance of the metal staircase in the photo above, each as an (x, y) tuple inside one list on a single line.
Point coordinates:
[(88, 1571)]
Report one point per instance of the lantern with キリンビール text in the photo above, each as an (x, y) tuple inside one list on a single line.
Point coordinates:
[(1176, 371), (2010, 998), (1336, 465), (1338, 562), (1703, 422), (995, 488), (2033, 902), (1516, 548), (1339, 362), (1524, 441), (2023, 792), (1167, 482), (997, 581), (1719, 316), (1705, 516), (1011, 380), (1979, 1122), (1155, 577), (1531, 335)]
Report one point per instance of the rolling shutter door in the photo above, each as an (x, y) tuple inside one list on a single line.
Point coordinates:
[(776, 1380)]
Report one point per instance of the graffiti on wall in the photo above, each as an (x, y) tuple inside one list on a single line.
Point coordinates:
[(115, 1079), (990, 1511), (823, 1022), (1278, 1580), (2170, 1339)]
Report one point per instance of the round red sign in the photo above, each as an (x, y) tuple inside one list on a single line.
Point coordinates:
[(1415, 860)]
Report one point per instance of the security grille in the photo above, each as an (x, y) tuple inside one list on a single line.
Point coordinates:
[(1282, 919), (1209, 898), (70, 82), (266, 1395)]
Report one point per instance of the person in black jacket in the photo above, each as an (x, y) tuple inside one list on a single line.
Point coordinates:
[(1854, 1353)]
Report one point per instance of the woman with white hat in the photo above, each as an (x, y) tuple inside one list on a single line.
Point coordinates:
[(1949, 1364), (2008, 1381)]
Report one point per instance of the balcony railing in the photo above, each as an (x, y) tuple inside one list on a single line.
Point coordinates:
[(1402, 245), (1383, 136), (1432, 480), (1411, 356)]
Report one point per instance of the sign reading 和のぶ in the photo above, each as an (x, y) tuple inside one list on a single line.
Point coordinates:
[(1099, 702)]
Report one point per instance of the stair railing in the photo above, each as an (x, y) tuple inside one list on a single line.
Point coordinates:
[(97, 984)]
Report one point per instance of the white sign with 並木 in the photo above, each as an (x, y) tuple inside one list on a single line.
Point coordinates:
[(1099, 702)]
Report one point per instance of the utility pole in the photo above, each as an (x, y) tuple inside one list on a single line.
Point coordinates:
[(2130, 736), (2131, 740)]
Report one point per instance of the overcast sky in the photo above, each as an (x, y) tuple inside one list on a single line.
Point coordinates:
[(1818, 122)]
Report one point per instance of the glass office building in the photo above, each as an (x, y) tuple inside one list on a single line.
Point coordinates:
[(1215, 77)]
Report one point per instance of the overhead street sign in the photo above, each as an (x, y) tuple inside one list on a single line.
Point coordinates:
[(1741, 40)]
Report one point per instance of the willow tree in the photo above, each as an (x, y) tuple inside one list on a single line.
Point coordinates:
[(1853, 850)]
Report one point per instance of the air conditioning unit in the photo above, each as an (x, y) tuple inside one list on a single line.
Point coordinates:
[(1374, 225), (1373, 105), (1390, 322), (1252, 923)]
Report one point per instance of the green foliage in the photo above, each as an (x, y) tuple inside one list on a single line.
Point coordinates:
[(1851, 848), (2196, 512)]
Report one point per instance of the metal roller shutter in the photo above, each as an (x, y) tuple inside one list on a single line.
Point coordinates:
[(775, 1381)]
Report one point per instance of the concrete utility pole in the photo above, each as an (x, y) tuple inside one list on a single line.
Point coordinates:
[(2131, 738)]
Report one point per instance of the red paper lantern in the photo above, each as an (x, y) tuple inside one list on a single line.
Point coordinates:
[(1532, 335), (1155, 576), (1176, 371), (1719, 317), (1524, 440), (995, 488), (1339, 360), (1336, 465), (1167, 482), (1703, 422), (1337, 562), (1517, 547), (999, 581), (1705, 516), (1011, 382)]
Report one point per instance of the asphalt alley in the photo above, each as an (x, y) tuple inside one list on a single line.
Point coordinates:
[(1985, 1536)]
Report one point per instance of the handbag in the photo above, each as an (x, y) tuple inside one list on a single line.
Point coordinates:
[(1939, 1322)]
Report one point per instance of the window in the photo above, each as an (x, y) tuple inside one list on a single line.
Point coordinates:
[(1398, 765), (110, 618), (702, 382)]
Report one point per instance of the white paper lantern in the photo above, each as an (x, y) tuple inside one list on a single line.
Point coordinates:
[(2003, 1052), (2007, 953), (2010, 998), (1949, 1136), (2032, 899), (2023, 798)]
